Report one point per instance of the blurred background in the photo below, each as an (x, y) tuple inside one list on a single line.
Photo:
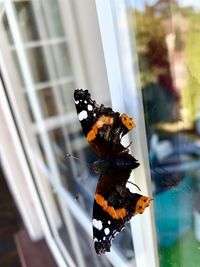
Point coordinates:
[(140, 57)]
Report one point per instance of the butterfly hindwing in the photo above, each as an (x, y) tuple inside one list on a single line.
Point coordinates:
[(112, 209)]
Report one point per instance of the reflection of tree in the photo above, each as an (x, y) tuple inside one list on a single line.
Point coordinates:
[(157, 88), (191, 92), (152, 49)]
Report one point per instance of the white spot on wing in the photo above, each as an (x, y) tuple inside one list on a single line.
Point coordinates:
[(97, 224), (104, 238), (109, 222), (82, 115), (106, 231), (85, 101), (76, 102), (95, 240), (90, 107)]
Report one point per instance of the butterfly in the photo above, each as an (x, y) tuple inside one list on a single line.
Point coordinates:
[(114, 204)]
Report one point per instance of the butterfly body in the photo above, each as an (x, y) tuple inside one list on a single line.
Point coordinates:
[(114, 204), (118, 163)]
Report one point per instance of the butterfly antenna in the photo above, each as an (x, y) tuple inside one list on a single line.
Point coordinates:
[(134, 185), (73, 157), (129, 145)]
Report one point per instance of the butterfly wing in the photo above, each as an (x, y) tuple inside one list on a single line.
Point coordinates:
[(102, 127), (114, 206)]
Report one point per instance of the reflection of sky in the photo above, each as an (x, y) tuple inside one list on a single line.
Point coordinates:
[(194, 3), (139, 4)]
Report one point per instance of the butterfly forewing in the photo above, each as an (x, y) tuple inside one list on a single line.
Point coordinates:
[(102, 127)]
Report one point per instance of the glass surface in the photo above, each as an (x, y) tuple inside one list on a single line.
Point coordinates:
[(62, 60), (26, 20), (168, 51), (52, 18), (7, 28), (37, 64), (66, 92), (18, 69), (47, 102)]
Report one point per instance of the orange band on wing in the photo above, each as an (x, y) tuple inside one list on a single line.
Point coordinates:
[(128, 122), (102, 120), (114, 213), (142, 203)]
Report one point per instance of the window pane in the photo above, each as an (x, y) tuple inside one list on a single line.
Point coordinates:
[(47, 102), (26, 20), (18, 69), (37, 64), (167, 43), (52, 18), (66, 92), (7, 29), (62, 60)]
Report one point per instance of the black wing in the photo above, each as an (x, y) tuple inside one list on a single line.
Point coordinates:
[(102, 127), (114, 206)]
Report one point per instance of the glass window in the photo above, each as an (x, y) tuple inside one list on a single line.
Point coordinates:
[(37, 64), (52, 19), (7, 29), (47, 102), (62, 60), (26, 20), (67, 91), (18, 69), (167, 45)]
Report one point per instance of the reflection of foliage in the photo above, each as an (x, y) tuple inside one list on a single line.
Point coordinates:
[(152, 48), (191, 93), (157, 88), (146, 29)]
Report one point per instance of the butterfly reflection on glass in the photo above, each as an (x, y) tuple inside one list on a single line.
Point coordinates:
[(114, 204)]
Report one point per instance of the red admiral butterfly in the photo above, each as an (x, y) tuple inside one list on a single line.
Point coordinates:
[(114, 204)]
